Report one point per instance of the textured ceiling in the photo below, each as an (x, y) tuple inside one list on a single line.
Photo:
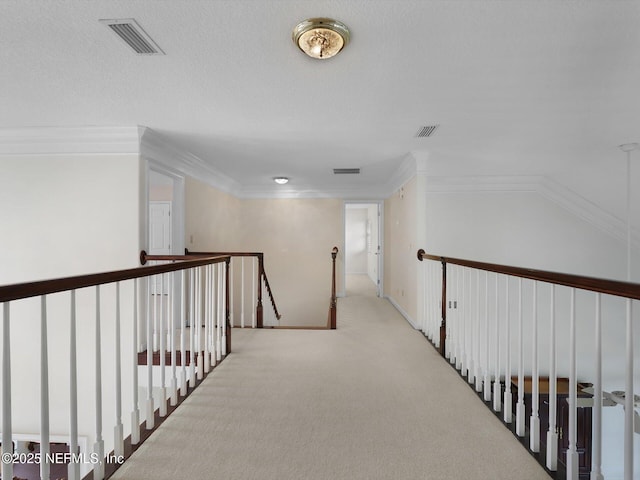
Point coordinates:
[(518, 88)]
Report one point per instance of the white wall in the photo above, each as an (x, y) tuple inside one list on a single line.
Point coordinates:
[(296, 236), (61, 216)]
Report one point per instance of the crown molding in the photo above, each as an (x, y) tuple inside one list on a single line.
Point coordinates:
[(69, 140), (544, 186), (156, 148)]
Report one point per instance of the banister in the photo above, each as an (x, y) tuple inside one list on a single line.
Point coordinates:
[(610, 287), (273, 303), (261, 275), (333, 307), (19, 291)]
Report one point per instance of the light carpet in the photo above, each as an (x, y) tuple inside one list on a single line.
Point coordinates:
[(370, 400)]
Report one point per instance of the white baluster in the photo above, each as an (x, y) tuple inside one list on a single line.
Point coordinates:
[(172, 340), (219, 316), (156, 318), (496, 383), (183, 335), (98, 448), (242, 292), (7, 441), (422, 317), (552, 433), (207, 319), (435, 302), (254, 299), (534, 421), (596, 471), (214, 314), (507, 398), (487, 373), (118, 430), (520, 408), (449, 340), (135, 413), (629, 397), (192, 329), (478, 366), (462, 363), (149, 418), (232, 263), (73, 469), (224, 306), (199, 317), (45, 446), (459, 321), (572, 453), (162, 348)]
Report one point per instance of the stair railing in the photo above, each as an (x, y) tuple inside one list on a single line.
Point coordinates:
[(469, 310), (88, 331), (333, 305), (252, 278)]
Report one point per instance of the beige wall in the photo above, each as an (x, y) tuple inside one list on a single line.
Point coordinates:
[(400, 263), (296, 236)]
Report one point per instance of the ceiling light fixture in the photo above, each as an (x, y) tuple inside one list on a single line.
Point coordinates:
[(280, 180), (321, 38)]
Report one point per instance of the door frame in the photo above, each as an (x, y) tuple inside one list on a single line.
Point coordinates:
[(380, 205)]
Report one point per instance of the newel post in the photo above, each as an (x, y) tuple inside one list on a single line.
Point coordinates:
[(259, 323), (334, 305)]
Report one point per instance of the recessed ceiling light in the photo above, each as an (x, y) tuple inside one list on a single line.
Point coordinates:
[(280, 180), (321, 38)]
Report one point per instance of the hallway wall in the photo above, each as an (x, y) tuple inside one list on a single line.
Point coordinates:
[(400, 262), (296, 236)]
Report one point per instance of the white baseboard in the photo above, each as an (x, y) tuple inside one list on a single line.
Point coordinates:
[(406, 316)]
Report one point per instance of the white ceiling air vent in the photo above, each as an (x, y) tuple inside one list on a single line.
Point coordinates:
[(134, 36), (343, 171), (426, 131)]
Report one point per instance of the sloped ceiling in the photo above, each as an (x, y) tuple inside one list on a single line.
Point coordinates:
[(518, 88)]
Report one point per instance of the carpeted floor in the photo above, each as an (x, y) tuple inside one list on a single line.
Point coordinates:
[(370, 400)]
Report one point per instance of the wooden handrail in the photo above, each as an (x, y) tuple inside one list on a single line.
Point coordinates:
[(599, 285), (262, 274), (19, 291), (333, 306), (273, 303), (610, 287)]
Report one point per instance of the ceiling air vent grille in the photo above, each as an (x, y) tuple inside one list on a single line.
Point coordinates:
[(426, 131), (343, 171), (133, 35)]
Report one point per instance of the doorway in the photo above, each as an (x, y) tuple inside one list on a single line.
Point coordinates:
[(363, 248)]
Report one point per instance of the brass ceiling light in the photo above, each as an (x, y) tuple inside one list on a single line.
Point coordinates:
[(321, 38)]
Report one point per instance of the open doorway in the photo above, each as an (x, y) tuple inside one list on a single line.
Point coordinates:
[(363, 248)]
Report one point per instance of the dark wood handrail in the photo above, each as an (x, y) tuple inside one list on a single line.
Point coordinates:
[(273, 303), (262, 274), (19, 291), (333, 306), (610, 287)]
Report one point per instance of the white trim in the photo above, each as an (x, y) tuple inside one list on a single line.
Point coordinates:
[(69, 140), (402, 312), (563, 196), (178, 161), (380, 204)]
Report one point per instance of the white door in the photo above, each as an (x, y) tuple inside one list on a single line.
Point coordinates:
[(159, 228), (374, 250), (159, 233)]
